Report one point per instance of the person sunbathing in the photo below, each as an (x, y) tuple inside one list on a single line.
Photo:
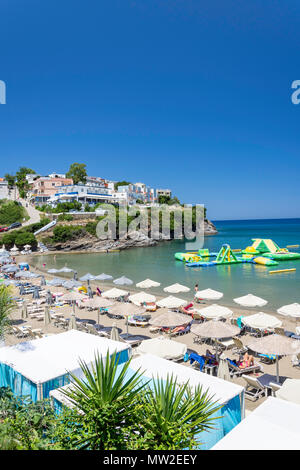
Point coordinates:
[(247, 361)]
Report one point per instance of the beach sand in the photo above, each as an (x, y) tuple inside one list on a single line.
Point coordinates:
[(285, 366)]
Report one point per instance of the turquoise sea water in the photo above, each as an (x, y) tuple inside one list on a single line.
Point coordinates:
[(158, 263)]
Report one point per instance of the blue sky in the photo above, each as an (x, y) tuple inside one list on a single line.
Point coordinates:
[(189, 95)]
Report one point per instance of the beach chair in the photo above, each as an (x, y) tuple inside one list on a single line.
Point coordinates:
[(295, 360), (274, 387), (267, 358), (238, 347), (235, 371), (253, 390)]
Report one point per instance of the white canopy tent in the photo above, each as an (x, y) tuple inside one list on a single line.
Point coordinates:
[(274, 425), (171, 302), (162, 347), (209, 294), (35, 367), (250, 300), (215, 312)]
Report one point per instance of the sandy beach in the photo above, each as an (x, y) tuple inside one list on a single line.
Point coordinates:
[(286, 368)]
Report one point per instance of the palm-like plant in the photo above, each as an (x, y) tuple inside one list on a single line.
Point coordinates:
[(7, 304), (175, 415), (105, 403)]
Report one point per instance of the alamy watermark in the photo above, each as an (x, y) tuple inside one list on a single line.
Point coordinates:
[(158, 223), (2, 92), (295, 97)]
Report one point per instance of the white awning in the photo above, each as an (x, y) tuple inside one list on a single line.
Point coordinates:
[(274, 425)]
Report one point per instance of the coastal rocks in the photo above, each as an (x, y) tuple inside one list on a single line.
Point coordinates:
[(209, 228)]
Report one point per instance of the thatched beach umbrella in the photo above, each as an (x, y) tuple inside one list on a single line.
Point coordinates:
[(277, 345), (147, 284), (171, 302), (215, 329), (223, 368), (126, 309), (72, 297), (209, 294), (250, 300), (176, 288), (43, 281), (170, 319), (97, 302), (36, 293)]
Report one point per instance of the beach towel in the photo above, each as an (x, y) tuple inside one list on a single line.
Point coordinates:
[(195, 357)]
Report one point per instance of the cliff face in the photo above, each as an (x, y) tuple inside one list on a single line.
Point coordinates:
[(135, 239)]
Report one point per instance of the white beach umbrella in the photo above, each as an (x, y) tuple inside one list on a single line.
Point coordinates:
[(171, 302), (147, 284), (215, 311), (142, 297), (261, 321), (52, 271), (65, 270), (123, 281), (291, 310), (47, 316), (72, 324), (223, 368), (176, 288), (209, 294), (162, 347), (103, 277), (290, 391), (114, 333), (87, 277), (114, 293), (14, 249), (24, 312), (250, 300)]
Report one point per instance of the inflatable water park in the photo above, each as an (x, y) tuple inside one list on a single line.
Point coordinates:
[(262, 251)]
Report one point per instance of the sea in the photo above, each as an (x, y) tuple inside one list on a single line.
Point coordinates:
[(158, 263)]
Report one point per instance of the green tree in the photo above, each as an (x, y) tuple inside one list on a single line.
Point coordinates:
[(77, 172), (121, 183), (106, 405), (7, 304), (25, 238), (11, 179), (21, 181), (11, 211), (175, 415)]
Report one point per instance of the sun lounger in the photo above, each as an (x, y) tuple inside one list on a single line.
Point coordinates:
[(274, 387), (236, 371), (254, 389), (295, 360)]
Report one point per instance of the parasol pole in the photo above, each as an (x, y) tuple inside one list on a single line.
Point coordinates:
[(277, 369)]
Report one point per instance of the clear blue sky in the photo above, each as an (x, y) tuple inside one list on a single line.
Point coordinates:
[(189, 95)]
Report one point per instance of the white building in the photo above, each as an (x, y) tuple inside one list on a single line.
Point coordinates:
[(4, 192), (87, 194)]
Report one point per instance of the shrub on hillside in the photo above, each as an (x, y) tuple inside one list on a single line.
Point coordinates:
[(25, 238), (10, 212), (63, 233)]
